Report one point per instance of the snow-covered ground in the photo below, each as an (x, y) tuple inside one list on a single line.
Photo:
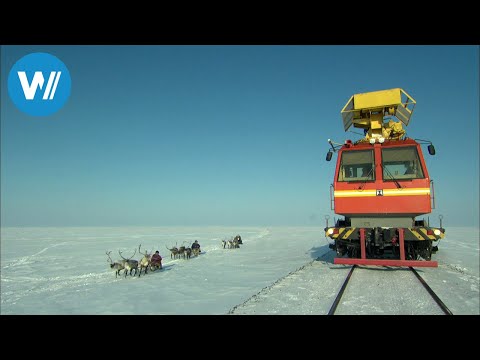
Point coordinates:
[(277, 270)]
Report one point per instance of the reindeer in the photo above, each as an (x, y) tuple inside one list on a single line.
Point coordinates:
[(181, 251), (118, 265), (233, 243), (144, 262), (188, 252), (130, 264), (173, 251)]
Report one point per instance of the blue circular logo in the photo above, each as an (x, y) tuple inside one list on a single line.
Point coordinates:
[(39, 84)]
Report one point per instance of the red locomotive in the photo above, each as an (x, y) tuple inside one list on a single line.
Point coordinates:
[(381, 187)]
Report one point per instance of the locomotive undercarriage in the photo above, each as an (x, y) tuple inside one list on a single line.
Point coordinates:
[(383, 243)]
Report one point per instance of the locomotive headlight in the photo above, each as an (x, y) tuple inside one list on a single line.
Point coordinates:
[(381, 140), (436, 232), (330, 231), (372, 141)]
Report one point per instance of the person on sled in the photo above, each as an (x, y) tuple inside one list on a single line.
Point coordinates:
[(156, 261), (196, 247), (239, 239)]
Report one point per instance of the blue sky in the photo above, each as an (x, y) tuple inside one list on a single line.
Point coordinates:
[(225, 135)]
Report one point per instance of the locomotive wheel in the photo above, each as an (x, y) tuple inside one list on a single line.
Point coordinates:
[(410, 252), (426, 250), (352, 252)]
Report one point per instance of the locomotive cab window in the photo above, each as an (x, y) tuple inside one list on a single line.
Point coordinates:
[(356, 165), (402, 163)]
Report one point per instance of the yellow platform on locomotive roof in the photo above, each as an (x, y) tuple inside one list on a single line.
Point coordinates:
[(360, 108)]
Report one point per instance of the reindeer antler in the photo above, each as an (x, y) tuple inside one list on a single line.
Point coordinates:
[(144, 254), (129, 258), (108, 254)]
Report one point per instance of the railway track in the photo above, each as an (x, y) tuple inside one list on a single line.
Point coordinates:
[(434, 296)]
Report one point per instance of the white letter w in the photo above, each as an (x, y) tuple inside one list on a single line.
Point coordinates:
[(30, 89)]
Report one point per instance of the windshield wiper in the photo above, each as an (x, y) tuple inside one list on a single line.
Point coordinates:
[(397, 184), (367, 179)]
